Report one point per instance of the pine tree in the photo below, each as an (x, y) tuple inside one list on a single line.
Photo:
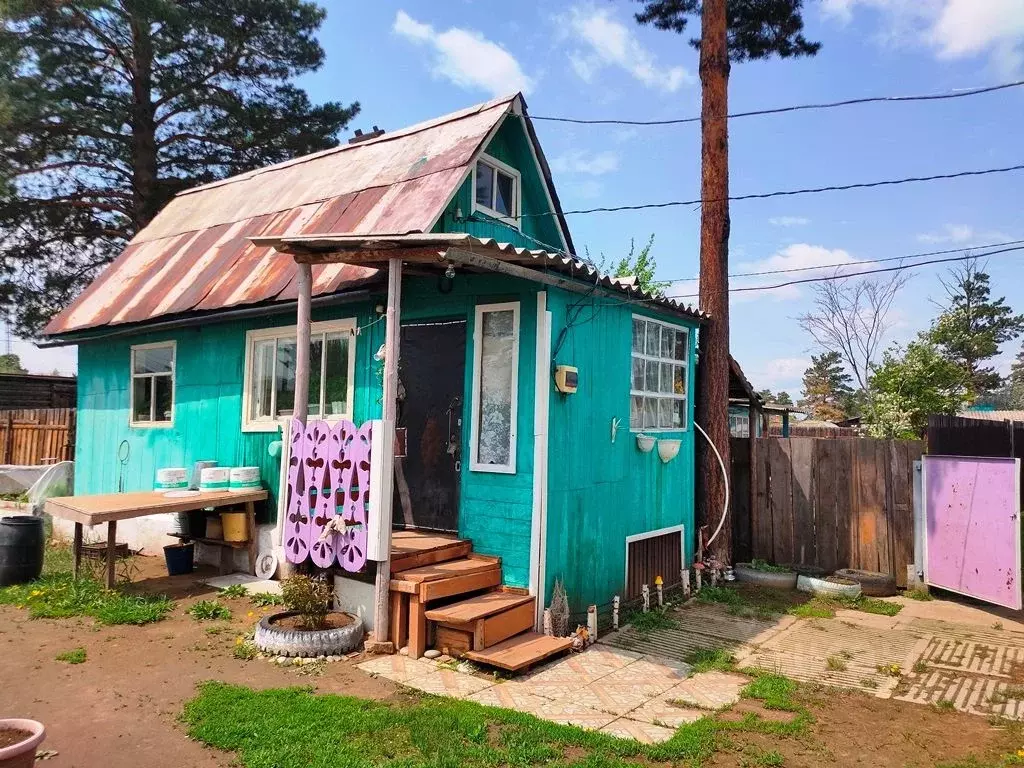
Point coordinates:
[(972, 327), (737, 30), (827, 390), (110, 107)]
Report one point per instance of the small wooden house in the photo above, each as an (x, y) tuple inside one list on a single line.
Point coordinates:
[(525, 376)]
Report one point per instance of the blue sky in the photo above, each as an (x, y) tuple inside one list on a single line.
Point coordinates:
[(415, 59)]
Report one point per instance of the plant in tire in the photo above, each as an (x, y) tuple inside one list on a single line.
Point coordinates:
[(308, 596)]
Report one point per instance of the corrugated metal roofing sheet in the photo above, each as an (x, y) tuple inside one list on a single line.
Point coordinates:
[(196, 254)]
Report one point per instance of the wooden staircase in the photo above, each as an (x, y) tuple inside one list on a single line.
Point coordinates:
[(445, 596)]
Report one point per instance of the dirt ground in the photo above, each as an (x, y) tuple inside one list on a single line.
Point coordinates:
[(120, 707)]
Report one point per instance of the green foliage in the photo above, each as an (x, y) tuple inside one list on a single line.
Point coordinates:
[(57, 595), (263, 599), (107, 109), (310, 597), (245, 651), (645, 623), (711, 660), (774, 691), (827, 390), (813, 609), (724, 595), (757, 30), (209, 610), (909, 385), (11, 364), (972, 326), (780, 398), (235, 590), (641, 266), (74, 656), (918, 594), (765, 567)]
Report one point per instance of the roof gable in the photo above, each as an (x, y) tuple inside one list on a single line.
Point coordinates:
[(196, 254)]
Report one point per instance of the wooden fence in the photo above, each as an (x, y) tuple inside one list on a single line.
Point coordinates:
[(825, 503), (37, 436)]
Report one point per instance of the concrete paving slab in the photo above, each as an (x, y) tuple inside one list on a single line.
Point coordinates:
[(398, 668), (708, 690), (645, 733), (662, 711), (448, 682)]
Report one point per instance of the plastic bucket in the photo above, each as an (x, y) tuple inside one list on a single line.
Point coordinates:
[(180, 558), (244, 479), (171, 479), (234, 526), (21, 549), (214, 528), (214, 479), (197, 470)]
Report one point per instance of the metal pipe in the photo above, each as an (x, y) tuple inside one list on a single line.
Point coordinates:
[(725, 506)]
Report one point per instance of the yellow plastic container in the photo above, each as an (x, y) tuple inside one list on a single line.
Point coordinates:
[(234, 526)]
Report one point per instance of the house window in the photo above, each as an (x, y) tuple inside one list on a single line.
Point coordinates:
[(152, 392), (659, 382), (495, 385), (270, 358), (496, 190)]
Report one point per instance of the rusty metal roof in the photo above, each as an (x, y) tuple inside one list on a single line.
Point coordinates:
[(375, 248), (197, 254)]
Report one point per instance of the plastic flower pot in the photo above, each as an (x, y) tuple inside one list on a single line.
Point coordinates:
[(21, 754)]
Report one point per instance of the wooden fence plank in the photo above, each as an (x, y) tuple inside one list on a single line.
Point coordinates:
[(805, 551), (903, 457), (37, 436), (825, 493), (763, 546), (781, 499), (845, 499)]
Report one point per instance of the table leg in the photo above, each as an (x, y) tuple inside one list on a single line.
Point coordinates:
[(417, 627), (111, 552), (76, 548), (250, 519)]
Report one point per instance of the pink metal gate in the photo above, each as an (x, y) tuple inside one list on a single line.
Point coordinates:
[(972, 527)]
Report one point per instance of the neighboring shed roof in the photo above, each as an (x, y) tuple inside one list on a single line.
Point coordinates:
[(993, 415), (196, 254)]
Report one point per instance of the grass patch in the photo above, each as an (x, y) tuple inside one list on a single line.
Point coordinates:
[(821, 607), (288, 728), (759, 604), (656, 618), (74, 656), (245, 650), (945, 705), (765, 567), (813, 609), (264, 599), (918, 594), (235, 590), (57, 595), (892, 670), (711, 659), (835, 664), (209, 610)]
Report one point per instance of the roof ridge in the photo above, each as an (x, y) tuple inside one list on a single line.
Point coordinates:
[(386, 136)]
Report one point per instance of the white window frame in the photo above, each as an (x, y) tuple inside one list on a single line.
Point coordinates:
[(151, 423), (644, 393), (285, 331), (517, 191), (474, 429)]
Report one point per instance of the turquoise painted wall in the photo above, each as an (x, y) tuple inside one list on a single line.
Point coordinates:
[(599, 492), (510, 145), (207, 420)]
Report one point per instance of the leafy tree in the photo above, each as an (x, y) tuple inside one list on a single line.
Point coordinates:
[(737, 30), (780, 398), (827, 391), (972, 326), (110, 107), (11, 364), (641, 266), (909, 385)]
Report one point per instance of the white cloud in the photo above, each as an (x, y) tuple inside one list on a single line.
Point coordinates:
[(606, 42), (951, 233), (788, 221), (466, 57), (799, 256), (578, 161), (952, 29), (780, 373)]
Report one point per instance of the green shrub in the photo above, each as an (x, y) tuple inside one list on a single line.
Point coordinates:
[(263, 599), (209, 610), (235, 590), (308, 596), (74, 656), (59, 595)]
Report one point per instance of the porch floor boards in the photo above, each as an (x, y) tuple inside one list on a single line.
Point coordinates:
[(413, 549), (479, 607), (521, 651)]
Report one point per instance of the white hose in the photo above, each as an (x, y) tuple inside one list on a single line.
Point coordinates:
[(725, 479)]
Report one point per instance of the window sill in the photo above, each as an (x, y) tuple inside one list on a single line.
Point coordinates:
[(658, 430), (278, 426), (490, 212), (494, 469), (151, 424)]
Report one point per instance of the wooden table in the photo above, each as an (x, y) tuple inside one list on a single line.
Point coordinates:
[(110, 507)]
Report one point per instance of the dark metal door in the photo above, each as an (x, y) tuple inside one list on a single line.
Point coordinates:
[(431, 378)]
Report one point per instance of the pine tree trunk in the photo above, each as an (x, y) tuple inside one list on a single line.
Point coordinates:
[(145, 200), (713, 411)]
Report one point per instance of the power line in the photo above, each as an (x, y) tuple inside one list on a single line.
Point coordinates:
[(851, 263), (783, 193), (794, 108), (825, 278)]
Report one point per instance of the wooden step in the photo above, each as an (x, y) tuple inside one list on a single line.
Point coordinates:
[(482, 621), (521, 651), (413, 549)]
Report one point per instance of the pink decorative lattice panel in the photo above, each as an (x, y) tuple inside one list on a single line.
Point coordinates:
[(328, 476)]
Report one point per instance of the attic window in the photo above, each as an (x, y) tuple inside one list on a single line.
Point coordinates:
[(496, 190)]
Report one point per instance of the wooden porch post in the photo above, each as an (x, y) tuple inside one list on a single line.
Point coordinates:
[(302, 332), (392, 337)]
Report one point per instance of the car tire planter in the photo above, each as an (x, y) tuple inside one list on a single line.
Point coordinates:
[(309, 643), (841, 587), (872, 583), (774, 579)]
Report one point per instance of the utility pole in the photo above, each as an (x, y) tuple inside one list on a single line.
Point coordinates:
[(713, 412)]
